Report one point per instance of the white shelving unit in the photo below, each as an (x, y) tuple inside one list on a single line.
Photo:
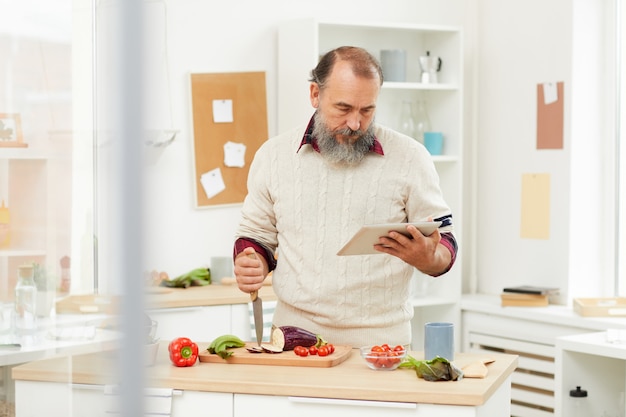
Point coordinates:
[(302, 42), (597, 366), (35, 185)]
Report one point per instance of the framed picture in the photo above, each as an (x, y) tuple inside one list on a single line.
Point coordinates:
[(11, 131)]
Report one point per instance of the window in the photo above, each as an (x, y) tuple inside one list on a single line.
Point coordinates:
[(620, 142)]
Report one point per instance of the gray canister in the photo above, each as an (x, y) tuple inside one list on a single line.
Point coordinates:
[(393, 62)]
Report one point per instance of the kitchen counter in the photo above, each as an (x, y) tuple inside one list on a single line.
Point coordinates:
[(163, 297), (209, 295), (351, 380)]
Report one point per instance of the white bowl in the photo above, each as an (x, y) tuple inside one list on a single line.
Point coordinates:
[(150, 353)]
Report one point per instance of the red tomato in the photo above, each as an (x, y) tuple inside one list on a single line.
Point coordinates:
[(331, 348), (313, 350), (393, 358), (377, 349), (323, 351), (398, 348), (372, 357), (385, 347), (301, 351)]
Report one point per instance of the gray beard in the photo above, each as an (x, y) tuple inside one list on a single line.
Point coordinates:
[(342, 154)]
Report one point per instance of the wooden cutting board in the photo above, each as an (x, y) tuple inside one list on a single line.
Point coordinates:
[(287, 358)]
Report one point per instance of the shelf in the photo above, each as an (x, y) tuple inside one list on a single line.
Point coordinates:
[(393, 85), (445, 158), (30, 154), (593, 344), (432, 301), (21, 252)]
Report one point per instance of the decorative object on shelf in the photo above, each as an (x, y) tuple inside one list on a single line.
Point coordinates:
[(393, 63), (580, 402), (430, 65), (406, 123), (434, 142), (5, 227), (422, 121), (66, 280), (11, 131)]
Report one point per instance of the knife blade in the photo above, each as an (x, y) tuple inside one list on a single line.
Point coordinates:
[(257, 310)]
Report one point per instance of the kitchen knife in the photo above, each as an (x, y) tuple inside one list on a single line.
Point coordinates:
[(257, 309)]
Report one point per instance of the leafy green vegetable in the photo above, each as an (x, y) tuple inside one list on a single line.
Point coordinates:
[(436, 369), (221, 344), (195, 277)]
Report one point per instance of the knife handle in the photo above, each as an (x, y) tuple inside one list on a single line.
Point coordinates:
[(254, 294)]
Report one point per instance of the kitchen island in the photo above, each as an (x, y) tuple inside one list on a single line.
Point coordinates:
[(240, 390)]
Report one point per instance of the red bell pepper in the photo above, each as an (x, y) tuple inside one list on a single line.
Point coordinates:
[(183, 352)]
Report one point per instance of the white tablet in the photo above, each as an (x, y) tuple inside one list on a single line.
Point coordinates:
[(363, 241)]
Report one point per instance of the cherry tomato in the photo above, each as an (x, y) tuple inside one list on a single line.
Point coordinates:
[(323, 351), (385, 347), (301, 351), (398, 348), (377, 349), (372, 357), (313, 350), (331, 348)]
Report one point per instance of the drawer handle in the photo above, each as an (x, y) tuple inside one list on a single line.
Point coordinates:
[(336, 401)]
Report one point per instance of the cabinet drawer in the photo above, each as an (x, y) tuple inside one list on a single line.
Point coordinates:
[(271, 406), (200, 324)]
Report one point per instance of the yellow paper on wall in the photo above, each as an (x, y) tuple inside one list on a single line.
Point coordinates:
[(535, 210)]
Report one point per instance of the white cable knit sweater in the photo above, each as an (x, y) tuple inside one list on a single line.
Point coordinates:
[(308, 209)]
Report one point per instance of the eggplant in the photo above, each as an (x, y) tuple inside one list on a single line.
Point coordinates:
[(288, 337)]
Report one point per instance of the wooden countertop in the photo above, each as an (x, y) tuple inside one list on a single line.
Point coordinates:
[(209, 295), (162, 297), (351, 379)]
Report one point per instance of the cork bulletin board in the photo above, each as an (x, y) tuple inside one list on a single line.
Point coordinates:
[(230, 124)]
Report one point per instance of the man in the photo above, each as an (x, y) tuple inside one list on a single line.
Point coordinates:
[(311, 189)]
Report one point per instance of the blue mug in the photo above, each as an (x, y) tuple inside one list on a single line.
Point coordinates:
[(439, 340), (434, 142)]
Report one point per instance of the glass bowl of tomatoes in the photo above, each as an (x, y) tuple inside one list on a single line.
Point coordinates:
[(383, 357)]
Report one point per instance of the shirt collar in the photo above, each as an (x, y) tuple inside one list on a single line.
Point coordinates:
[(309, 139)]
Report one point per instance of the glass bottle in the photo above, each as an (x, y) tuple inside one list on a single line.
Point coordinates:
[(422, 121), (25, 314), (406, 123), (580, 404)]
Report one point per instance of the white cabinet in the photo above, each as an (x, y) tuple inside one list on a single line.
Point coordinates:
[(270, 406), (595, 365), (202, 323), (55, 399), (555, 354), (66, 400), (302, 42)]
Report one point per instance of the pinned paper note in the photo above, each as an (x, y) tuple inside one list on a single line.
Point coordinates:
[(535, 210), (234, 154), (222, 111), (550, 115), (212, 182), (550, 93)]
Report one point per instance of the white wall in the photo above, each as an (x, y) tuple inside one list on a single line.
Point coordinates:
[(521, 45), (239, 35)]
